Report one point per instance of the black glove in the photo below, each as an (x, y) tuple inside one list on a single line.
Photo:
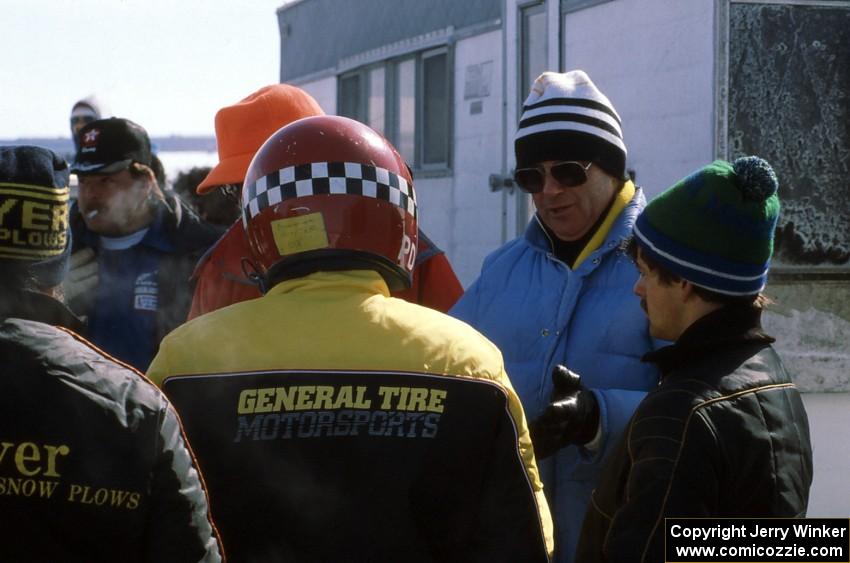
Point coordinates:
[(571, 418)]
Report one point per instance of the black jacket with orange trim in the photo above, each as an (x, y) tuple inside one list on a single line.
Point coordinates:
[(94, 466), (725, 434)]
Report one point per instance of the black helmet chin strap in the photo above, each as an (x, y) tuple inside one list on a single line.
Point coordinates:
[(250, 271), (326, 260)]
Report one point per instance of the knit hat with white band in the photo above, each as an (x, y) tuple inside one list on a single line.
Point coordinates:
[(715, 227), (565, 117)]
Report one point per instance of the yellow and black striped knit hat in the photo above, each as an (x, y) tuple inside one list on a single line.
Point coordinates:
[(34, 235)]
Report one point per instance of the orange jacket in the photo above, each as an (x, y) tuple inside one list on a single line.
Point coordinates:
[(221, 281)]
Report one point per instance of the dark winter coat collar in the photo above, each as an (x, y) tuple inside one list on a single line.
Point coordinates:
[(568, 251), (175, 228), (34, 306), (725, 327)]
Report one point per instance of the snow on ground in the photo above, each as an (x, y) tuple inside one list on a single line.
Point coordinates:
[(814, 346), (829, 420), (175, 162)]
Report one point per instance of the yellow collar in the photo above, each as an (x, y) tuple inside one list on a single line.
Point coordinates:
[(620, 201)]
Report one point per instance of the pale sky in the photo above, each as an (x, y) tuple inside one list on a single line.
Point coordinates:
[(169, 65)]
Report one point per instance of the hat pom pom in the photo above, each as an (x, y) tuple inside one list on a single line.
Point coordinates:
[(756, 178)]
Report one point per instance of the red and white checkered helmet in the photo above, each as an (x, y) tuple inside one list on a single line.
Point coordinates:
[(329, 193)]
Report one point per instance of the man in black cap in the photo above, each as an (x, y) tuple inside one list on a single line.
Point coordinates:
[(134, 245), (93, 463)]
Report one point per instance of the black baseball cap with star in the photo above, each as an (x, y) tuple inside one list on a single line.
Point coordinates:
[(110, 145)]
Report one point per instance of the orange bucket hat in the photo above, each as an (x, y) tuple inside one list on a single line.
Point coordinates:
[(242, 128)]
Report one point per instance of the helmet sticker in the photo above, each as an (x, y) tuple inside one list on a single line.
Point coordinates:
[(300, 234)]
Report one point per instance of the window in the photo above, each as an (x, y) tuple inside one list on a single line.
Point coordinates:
[(576, 5), (362, 96), (349, 97), (435, 109), (408, 99), (533, 62), (533, 48), (800, 125), (377, 111), (405, 98)]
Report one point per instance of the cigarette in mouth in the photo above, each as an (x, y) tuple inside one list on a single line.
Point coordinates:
[(91, 214)]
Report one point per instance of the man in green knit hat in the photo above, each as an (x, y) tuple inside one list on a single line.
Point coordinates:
[(725, 434)]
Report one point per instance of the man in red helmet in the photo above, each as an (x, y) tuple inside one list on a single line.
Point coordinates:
[(240, 130), (332, 421)]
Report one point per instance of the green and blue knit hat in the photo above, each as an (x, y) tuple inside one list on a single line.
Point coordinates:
[(715, 227)]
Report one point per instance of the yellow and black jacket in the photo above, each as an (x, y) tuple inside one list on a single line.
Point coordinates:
[(334, 423)]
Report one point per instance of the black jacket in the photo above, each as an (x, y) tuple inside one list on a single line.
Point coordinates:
[(725, 434), (190, 236), (94, 466)]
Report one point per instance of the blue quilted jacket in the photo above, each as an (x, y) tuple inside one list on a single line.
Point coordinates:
[(540, 312)]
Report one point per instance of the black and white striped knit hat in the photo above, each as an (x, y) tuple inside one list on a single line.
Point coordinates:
[(566, 117)]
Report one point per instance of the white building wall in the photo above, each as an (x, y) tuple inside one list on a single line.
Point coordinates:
[(658, 72), (654, 59), (434, 198), (324, 92), (472, 216), (458, 211)]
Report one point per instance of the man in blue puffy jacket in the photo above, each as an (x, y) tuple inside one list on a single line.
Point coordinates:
[(562, 292)]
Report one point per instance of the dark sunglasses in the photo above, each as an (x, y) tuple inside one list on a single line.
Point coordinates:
[(568, 173), (85, 119)]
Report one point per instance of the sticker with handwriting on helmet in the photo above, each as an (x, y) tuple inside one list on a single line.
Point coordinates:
[(300, 234)]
